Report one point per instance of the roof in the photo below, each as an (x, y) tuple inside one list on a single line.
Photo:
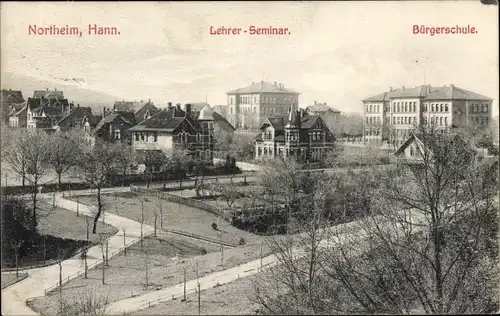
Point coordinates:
[(260, 87), (78, 113), (129, 106), (197, 106), (308, 121), (220, 118), (166, 120), (428, 92), (48, 94), (111, 117), (320, 108), (141, 112), (206, 113), (18, 108), (52, 111), (431, 142)]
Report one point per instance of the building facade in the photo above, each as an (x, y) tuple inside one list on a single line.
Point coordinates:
[(330, 116), (389, 117), (250, 106), (177, 128), (303, 136)]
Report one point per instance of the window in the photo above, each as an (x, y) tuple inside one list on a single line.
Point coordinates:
[(155, 137), (486, 121), (426, 107), (432, 107), (378, 108), (398, 107), (136, 137), (142, 136), (441, 121), (446, 107), (117, 134), (406, 106), (486, 108), (406, 120), (367, 120), (482, 107), (446, 121), (254, 99), (425, 120)]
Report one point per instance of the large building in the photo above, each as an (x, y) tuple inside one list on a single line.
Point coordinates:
[(390, 116), (250, 106), (300, 135), (174, 127)]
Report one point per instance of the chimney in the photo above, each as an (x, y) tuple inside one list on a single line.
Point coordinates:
[(78, 105), (149, 100), (188, 109), (103, 111)]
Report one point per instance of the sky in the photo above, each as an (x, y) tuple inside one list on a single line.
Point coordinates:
[(336, 52)]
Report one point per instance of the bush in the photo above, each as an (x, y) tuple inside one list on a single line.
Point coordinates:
[(242, 241), (203, 251), (214, 226)]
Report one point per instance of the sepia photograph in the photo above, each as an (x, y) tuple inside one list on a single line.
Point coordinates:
[(249, 158)]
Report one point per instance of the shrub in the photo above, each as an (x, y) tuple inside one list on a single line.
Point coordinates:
[(242, 241), (203, 251), (214, 226)]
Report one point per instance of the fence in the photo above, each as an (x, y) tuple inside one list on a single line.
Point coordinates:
[(93, 265), (195, 236), (178, 199)]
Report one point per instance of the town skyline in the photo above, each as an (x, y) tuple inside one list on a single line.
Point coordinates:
[(179, 61)]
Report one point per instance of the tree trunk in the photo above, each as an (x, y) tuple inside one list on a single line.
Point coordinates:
[(34, 219), (99, 209), (59, 180)]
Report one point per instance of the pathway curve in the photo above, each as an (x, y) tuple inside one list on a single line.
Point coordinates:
[(40, 279)]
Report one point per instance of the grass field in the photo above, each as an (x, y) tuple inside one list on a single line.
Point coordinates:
[(126, 275), (10, 278), (228, 299), (175, 216), (62, 223)]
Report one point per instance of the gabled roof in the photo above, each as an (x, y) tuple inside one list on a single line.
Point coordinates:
[(321, 108), (51, 111), (145, 108), (308, 121), (166, 121), (260, 87), (78, 113), (19, 108), (430, 143), (428, 92), (197, 106), (277, 122), (206, 113), (48, 94), (113, 116), (129, 106), (220, 118)]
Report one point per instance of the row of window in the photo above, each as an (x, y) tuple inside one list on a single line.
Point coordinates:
[(146, 136), (479, 120), (268, 100), (441, 121), (412, 107), (403, 120), (373, 108), (436, 107), (373, 120), (478, 108)]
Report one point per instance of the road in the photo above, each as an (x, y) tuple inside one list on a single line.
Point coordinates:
[(41, 279)]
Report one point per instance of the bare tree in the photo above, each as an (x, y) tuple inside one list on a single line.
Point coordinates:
[(87, 303), (15, 246), (15, 153), (125, 158), (427, 245), (96, 166), (64, 150)]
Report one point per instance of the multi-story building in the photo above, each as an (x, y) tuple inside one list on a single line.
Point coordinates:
[(250, 106), (174, 128), (390, 116), (301, 135)]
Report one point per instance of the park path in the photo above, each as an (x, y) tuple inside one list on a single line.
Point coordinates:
[(40, 279)]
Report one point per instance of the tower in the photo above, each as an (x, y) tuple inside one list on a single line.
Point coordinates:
[(206, 120), (292, 131)]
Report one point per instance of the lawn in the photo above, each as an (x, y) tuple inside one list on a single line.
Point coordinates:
[(10, 278), (227, 299), (57, 230), (125, 275), (63, 223), (175, 216)]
